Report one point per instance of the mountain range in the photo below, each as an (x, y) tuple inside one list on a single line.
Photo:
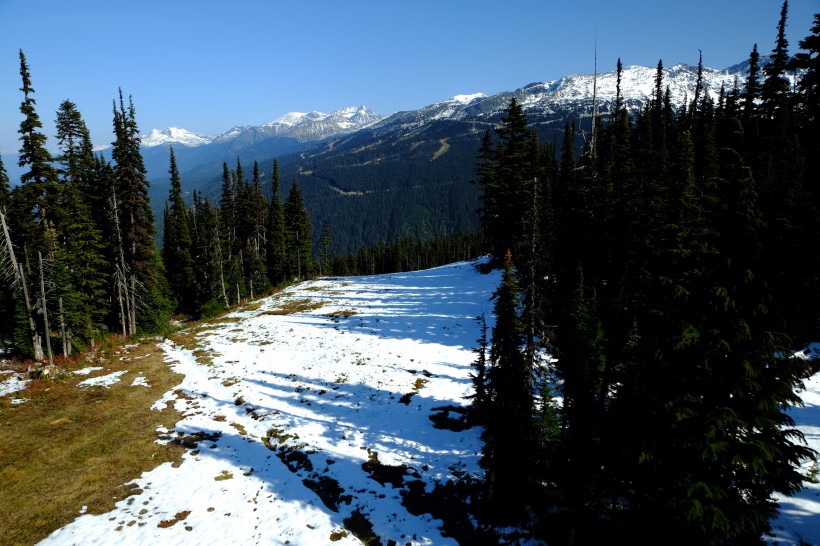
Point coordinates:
[(375, 177)]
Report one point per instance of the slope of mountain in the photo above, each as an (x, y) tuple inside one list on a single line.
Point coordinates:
[(375, 178), (409, 174)]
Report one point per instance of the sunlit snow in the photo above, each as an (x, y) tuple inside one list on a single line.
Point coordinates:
[(356, 374)]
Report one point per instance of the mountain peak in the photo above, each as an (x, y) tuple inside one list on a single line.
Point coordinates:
[(173, 135)]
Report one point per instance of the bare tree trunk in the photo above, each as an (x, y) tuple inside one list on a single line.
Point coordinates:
[(36, 340), (133, 295), (119, 280), (45, 310), (133, 283), (63, 333), (20, 278), (221, 274), (120, 273)]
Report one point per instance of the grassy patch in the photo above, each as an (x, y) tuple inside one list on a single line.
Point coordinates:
[(224, 475), (66, 447), (445, 147), (296, 306), (179, 516), (344, 313)]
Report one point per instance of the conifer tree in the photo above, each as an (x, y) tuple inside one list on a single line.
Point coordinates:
[(211, 294), (144, 283), (7, 300), (298, 235), (752, 88), (276, 232), (480, 397), (325, 255), (38, 184), (79, 264), (509, 432), (776, 85), (32, 216), (177, 245), (5, 188)]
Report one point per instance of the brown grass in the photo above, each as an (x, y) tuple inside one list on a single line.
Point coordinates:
[(68, 447), (296, 306)]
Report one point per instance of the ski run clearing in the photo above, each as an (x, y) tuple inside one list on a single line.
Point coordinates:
[(292, 404)]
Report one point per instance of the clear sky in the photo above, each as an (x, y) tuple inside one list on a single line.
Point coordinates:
[(208, 65)]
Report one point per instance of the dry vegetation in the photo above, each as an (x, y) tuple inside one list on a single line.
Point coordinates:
[(68, 447)]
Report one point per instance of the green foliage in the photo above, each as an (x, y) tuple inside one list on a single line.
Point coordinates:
[(677, 273), (178, 245), (298, 235)]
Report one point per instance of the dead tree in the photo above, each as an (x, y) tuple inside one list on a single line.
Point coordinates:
[(15, 270)]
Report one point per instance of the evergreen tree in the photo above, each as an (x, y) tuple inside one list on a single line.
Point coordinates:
[(7, 300), (325, 256), (775, 87), (211, 294), (509, 434), (5, 188), (79, 264), (38, 184), (298, 235), (752, 89), (480, 397), (32, 217), (144, 280), (177, 245), (276, 232)]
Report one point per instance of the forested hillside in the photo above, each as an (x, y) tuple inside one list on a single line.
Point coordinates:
[(671, 269)]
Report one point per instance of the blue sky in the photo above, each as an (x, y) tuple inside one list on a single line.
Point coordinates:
[(207, 65)]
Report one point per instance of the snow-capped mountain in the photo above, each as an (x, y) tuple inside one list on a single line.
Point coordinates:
[(572, 96), (301, 126), (174, 135)]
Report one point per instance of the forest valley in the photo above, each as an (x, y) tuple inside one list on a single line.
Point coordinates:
[(670, 268)]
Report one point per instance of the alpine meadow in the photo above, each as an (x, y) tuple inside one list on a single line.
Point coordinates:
[(583, 312)]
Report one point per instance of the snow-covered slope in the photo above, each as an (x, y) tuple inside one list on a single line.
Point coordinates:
[(288, 410), (354, 377)]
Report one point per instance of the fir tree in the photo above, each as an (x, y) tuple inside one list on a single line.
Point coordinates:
[(38, 184), (480, 397), (325, 255), (80, 266), (509, 434), (211, 296), (177, 245), (776, 86), (276, 232), (145, 283), (298, 235)]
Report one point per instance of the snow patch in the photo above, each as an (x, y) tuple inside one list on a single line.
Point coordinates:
[(103, 380)]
